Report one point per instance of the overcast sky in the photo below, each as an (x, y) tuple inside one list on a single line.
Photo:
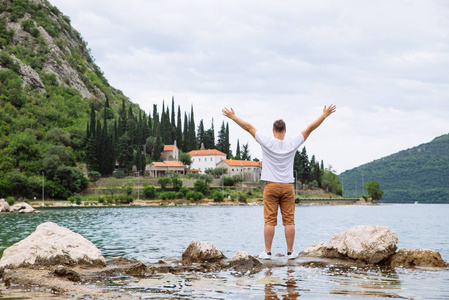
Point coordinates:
[(385, 64)]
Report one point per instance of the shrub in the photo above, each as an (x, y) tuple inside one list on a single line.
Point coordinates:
[(201, 187), (10, 200), (297, 200), (218, 196), (163, 182), (75, 199), (119, 174), (93, 176), (242, 197), (183, 191), (228, 181), (177, 183), (168, 195), (149, 192), (124, 199), (194, 196)]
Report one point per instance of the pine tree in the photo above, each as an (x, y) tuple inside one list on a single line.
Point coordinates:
[(245, 152)]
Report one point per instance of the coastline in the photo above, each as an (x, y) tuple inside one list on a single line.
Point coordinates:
[(204, 202)]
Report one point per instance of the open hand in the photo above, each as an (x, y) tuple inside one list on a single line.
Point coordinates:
[(329, 110), (228, 112)]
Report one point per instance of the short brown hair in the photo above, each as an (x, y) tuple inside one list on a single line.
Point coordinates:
[(279, 126)]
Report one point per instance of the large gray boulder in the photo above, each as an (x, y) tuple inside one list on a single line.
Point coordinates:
[(198, 252), (4, 206), (23, 208), (410, 258), (52, 245), (365, 243)]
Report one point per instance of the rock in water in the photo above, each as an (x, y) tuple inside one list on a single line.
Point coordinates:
[(23, 208), (410, 258), (364, 243), (243, 262), (52, 245), (4, 206), (198, 252)]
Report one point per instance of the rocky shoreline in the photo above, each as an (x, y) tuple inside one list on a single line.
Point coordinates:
[(55, 260)]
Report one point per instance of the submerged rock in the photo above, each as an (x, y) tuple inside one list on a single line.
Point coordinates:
[(65, 272), (363, 243), (198, 252), (410, 258), (243, 262), (52, 245), (4, 206)]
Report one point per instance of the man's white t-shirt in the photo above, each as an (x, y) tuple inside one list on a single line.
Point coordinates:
[(278, 157)]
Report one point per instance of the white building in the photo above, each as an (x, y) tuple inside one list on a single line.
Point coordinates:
[(205, 159)]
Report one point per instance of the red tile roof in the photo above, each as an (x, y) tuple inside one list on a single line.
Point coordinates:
[(206, 152), (242, 163), (167, 163), (169, 147)]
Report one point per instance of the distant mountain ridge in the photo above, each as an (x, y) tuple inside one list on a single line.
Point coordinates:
[(418, 174)]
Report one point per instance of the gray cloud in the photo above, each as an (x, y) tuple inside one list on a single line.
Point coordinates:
[(383, 62)]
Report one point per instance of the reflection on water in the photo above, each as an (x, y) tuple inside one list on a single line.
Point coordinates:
[(152, 233)]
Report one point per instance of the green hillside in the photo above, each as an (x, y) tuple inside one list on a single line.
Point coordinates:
[(60, 119), (417, 174)]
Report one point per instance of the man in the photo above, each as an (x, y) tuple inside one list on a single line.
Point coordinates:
[(278, 153)]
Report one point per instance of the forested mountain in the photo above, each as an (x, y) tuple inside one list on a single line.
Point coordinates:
[(417, 174), (59, 115)]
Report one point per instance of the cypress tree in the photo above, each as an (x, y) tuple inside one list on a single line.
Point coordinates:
[(191, 133), (91, 145), (237, 151), (200, 135), (227, 143), (179, 129), (245, 152), (185, 139), (222, 138)]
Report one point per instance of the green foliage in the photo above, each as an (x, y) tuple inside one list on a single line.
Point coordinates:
[(149, 192), (218, 196), (127, 187), (416, 174), (185, 158), (331, 181), (194, 196), (216, 172), (201, 186), (374, 190), (242, 197), (10, 200), (94, 176), (164, 182), (228, 181), (177, 183), (206, 178)]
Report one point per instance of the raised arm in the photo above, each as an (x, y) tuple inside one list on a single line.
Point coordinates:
[(245, 125), (327, 111)]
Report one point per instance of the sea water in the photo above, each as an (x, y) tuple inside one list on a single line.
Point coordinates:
[(153, 233)]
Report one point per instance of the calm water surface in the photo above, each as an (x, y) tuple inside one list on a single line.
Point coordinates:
[(152, 233)]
